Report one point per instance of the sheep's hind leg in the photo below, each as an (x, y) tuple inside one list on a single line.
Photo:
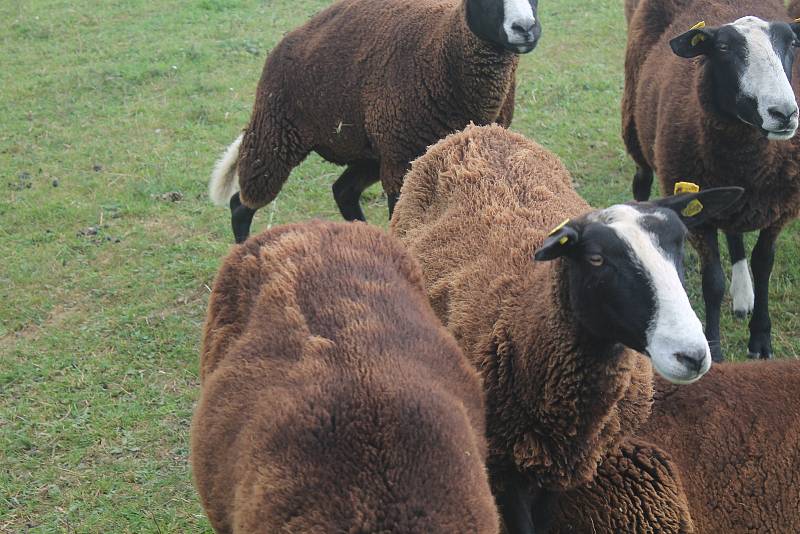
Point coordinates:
[(713, 286), (741, 284), (241, 218), (642, 183), (762, 259), (348, 188)]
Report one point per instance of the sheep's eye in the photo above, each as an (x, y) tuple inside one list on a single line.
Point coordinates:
[(722, 47), (595, 259)]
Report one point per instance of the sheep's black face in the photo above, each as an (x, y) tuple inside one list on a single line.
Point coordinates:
[(625, 268), (751, 70), (511, 24)]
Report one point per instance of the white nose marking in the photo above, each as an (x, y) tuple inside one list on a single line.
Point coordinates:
[(675, 331), (518, 14), (764, 79)]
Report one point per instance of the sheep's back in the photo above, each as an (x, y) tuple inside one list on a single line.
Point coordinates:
[(355, 60), (324, 386), (735, 436)]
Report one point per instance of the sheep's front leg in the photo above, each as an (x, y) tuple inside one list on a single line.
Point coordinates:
[(713, 286), (515, 501), (762, 259), (392, 180), (642, 182), (348, 188)]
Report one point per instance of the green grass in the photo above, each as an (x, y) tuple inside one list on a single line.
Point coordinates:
[(106, 106)]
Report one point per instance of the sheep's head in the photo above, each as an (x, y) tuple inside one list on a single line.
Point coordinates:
[(511, 24), (625, 273), (751, 70)]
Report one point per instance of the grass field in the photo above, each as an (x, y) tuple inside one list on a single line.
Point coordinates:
[(107, 106)]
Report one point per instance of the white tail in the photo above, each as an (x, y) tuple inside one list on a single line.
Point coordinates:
[(224, 181)]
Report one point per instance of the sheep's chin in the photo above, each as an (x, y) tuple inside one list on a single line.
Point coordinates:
[(673, 371), (781, 136)]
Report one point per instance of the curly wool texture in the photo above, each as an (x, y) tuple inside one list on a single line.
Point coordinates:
[(332, 398), (735, 437), (686, 138), (637, 489), (473, 210), (733, 440), (367, 81)]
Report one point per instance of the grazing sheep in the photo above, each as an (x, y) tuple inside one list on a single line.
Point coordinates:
[(370, 85), (739, 462), (332, 398), (725, 118), (550, 337)]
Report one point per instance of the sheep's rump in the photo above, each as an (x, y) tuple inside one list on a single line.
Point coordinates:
[(331, 395), (735, 436)]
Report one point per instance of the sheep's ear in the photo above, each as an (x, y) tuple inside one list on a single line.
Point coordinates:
[(561, 240), (695, 42), (695, 209)]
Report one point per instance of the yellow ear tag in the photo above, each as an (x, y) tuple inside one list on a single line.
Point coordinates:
[(563, 240), (559, 227), (685, 187), (693, 208), (699, 38)]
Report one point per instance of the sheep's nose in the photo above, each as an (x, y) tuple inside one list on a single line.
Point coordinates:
[(783, 113), (524, 27), (692, 360)]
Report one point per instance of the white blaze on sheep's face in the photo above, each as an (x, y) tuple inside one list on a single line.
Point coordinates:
[(763, 79), (676, 342), (518, 21)]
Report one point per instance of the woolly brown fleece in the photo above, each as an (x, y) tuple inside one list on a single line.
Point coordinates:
[(473, 210), (735, 436), (637, 489), (371, 82), (332, 398), (690, 141)]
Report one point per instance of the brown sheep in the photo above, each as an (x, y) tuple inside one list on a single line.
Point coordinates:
[(550, 337), (725, 118), (332, 398), (370, 85), (734, 444)]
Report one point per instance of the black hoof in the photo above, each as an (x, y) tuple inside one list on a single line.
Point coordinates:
[(716, 352), (740, 314), (760, 347)]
